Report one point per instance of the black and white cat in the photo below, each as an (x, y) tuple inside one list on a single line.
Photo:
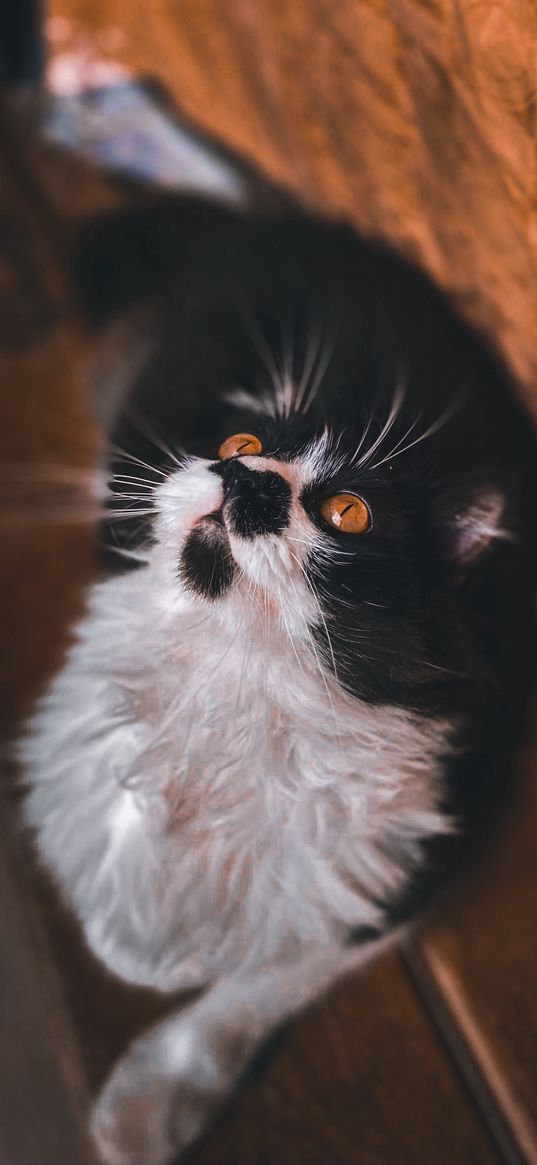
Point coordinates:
[(291, 698)]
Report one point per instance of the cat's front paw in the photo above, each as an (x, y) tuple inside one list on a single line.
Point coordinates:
[(149, 1111)]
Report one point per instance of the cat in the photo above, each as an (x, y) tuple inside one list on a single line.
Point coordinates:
[(292, 695)]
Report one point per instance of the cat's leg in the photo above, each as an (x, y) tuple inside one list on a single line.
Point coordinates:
[(165, 1090)]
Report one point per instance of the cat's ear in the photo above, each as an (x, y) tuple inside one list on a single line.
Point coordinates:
[(473, 519)]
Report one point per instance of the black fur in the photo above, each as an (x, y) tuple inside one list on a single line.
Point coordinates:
[(206, 564)]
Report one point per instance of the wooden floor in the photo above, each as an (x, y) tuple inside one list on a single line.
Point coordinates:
[(430, 1057)]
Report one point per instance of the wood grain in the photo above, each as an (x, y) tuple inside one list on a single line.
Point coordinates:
[(359, 1080), (42, 1109)]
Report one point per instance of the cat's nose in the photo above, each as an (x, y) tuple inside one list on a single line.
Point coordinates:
[(257, 501)]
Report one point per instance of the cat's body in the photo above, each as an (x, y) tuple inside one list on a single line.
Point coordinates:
[(211, 799), (264, 731)]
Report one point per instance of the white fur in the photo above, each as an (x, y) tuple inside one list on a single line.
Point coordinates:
[(205, 793)]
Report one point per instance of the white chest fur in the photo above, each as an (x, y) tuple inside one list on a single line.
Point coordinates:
[(206, 797)]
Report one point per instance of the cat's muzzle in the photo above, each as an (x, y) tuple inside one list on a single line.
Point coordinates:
[(254, 503)]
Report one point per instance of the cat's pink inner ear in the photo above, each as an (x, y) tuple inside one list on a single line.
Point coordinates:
[(478, 524)]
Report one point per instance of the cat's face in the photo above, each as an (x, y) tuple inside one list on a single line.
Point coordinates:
[(312, 530), (351, 458), (265, 527)]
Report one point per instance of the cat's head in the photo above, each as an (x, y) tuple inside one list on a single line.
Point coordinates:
[(316, 441)]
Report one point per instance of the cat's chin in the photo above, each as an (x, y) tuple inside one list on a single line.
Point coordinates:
[(207, 565)]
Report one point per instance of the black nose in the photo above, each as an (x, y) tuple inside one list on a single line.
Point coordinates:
[(257, 500)]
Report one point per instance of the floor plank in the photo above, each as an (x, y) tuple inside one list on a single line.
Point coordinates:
[(42, 1095), (481, 951), (359, 1080)]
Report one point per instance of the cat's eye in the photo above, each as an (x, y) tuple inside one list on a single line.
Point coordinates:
[(347, 513), (239, 445)]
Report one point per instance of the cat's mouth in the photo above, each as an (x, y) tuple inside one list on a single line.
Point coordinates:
[(216, 518)]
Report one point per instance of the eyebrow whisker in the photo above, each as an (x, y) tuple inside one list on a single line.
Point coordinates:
[(395, 409)]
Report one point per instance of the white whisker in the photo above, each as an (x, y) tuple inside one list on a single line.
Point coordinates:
[(261, 346), (134, 513), (400, 442), (310, 360), (434, 428), (397, 402), (136, 460), (143, 426), (323, 362), (126, 479)]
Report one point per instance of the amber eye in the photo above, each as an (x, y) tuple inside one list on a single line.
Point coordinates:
[(239, 445), (347, 513)]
